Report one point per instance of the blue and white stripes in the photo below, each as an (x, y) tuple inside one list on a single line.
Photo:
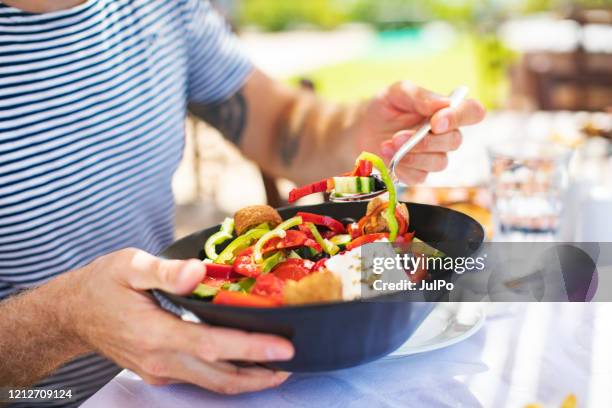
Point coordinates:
[(92, 104)]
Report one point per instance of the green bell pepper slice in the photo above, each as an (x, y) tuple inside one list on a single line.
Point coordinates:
[(219, 237), (242, 242), (279, 231), (326, 244), (379, 164), (270, 262)]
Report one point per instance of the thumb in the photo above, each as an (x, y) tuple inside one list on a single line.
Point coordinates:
[(174, 276), (180, 277)]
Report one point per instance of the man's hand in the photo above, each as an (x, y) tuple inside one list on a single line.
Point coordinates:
[(292, 133), (104, 307), (116, 317), (391, 118)]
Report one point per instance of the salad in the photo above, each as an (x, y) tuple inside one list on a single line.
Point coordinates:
[(257, 259)]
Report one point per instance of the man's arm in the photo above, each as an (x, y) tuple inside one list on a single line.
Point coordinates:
[(294, 134), (288, 132), (34, 334)]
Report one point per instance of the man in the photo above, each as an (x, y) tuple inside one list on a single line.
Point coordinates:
[(93, 96)]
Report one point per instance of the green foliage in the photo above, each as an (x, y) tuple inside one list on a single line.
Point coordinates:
[(278, 15), (530, 6), (441, 71)]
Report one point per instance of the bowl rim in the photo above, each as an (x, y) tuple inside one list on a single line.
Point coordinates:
[(316, 305)]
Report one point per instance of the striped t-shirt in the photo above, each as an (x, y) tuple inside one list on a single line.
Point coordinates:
[(92, 107)]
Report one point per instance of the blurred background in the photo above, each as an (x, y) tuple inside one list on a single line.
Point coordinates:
[(543, 68)]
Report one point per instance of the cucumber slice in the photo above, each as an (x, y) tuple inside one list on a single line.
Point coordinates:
[(341, 239), (243, 285), (293, 255), (353, 185), (205, 291), (345, 185)]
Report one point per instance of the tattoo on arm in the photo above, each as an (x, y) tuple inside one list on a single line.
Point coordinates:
[(290, 146), (228, 116)]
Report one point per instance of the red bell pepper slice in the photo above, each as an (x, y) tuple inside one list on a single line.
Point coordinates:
[(229, 298), (299, 192), (353, 230), (364, 169), (245, 265), (294, 269), (220, 271), (322, 220), (366, 239), (402, 224), (292, 239), (311, 243)]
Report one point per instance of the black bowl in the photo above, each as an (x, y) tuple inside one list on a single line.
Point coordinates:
[(342, 334)]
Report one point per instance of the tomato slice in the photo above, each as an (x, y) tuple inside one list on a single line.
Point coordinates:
[(269, 285), (294, 269), (292, 239), (366, 239), (229, 298), (245, 265), (323, 220)]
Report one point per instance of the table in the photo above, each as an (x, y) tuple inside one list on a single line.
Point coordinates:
[(525, 353)]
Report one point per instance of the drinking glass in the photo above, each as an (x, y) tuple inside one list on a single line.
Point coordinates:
[(528, 180)]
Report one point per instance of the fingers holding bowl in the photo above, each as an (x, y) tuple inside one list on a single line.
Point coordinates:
[(229, 344), (220, 377), (200, 354)]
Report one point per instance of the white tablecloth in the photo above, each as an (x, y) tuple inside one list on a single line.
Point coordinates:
[(525, 353)]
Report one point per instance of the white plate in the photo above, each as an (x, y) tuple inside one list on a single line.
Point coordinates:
[(447, 324)]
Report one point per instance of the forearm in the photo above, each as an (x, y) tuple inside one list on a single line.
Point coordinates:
[(288, 132), (312, 139), (35, 335)]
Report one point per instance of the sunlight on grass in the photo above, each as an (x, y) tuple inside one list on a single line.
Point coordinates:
[(440, 71)]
